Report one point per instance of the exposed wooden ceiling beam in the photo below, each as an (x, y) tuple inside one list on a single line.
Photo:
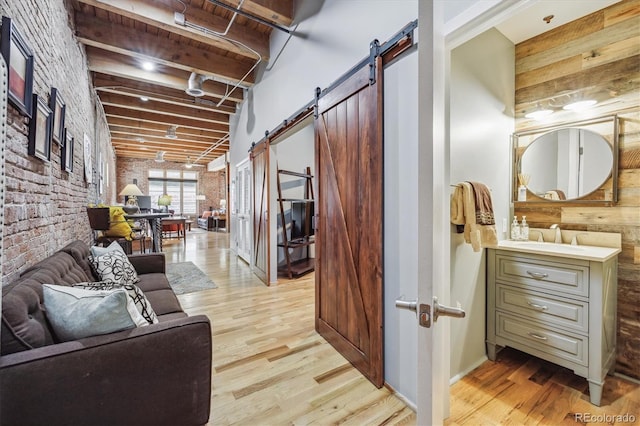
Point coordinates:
[(128, 41), (203, 107), (146, 127), (104, 63), (163, 108), (150, 154), (161, 15), (166, 145), (128, 87), (169, 120), (276, 11), (124, 133)]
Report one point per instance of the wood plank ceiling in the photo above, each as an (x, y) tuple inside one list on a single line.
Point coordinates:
[(179, 37)]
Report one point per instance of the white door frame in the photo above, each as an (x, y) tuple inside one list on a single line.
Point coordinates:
[(242, 210), (435, 48)]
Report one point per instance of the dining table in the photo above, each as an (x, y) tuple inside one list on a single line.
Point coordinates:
[(155, 222)]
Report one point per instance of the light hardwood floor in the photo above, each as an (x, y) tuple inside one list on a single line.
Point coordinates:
[(271, 368)]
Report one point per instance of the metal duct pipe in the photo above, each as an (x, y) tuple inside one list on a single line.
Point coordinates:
[(194, 87)]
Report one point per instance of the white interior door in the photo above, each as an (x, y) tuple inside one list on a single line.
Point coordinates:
[(243, 210), (433, 227)]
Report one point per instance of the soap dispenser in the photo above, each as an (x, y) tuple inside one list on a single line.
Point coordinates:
[(515, 229), (524, 229)]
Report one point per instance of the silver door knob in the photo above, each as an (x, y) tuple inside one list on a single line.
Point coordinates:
[(411, 305), (446, 311)]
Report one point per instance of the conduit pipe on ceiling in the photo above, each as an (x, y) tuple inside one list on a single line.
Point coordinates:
[(212, 147), (250, 16), (179, 19)]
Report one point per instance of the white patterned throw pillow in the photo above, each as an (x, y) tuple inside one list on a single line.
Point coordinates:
[(115, 267), (97, 251), (75, 313), (134, 292)]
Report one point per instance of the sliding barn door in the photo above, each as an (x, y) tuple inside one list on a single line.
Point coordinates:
[(349, 237), (260, 253)]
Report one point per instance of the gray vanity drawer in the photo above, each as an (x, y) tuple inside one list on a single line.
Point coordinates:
[(567, 346), (568, 313), (541, 274)]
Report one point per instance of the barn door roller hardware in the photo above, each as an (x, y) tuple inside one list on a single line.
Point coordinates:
[(393, 47)]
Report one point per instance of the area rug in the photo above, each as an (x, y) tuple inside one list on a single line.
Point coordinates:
[(186, 277)]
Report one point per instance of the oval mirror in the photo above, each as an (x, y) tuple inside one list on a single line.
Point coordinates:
[(566, 164)]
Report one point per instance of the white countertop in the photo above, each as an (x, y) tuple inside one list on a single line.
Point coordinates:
[(593, 253)]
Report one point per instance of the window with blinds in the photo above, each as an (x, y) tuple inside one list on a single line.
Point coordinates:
[(182, 186)]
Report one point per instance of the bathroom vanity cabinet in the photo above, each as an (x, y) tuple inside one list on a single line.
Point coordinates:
[(561, 308)]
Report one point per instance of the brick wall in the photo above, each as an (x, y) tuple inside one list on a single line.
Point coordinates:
[(44, 205), (212, 185)]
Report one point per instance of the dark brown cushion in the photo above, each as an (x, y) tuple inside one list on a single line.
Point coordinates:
[(24, 323)]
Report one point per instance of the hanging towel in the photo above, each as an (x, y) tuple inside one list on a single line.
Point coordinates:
[(464, 212), (484, 207), (457, 209)]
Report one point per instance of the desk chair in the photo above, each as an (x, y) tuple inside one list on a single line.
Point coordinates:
[(100, 222)]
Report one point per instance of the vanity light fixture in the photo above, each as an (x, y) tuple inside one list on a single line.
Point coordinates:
[(539, 113), (580, 105)]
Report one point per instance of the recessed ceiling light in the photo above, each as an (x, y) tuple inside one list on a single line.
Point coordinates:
[(144, 98), (148, 66)]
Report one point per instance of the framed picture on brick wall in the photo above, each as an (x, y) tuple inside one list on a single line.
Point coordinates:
[(66, 153), (40, 130), (19, 58), (57, 105)]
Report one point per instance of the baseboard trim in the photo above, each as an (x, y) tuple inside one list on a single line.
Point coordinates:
[(401, 397), (625, 377), (468, 370)]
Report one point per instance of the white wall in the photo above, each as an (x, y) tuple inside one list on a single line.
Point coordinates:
[(481, 121)]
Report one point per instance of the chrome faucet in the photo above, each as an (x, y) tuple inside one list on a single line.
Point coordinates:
[(574, 240), (540, 238), (558, 239)]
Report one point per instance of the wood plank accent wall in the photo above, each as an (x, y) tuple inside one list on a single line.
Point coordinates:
[(599, 55)]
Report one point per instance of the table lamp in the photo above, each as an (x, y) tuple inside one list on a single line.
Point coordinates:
[(200, 197), (223, 205), (131, 191), (164, 201)]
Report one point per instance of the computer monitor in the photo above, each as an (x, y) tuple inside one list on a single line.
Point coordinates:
[(144, 201)]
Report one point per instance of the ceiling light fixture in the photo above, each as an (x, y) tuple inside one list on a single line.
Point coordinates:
[(144, 99), (160, 157), (171, 132), (189, 163), (538, 113), (580, 105), (148, 66)]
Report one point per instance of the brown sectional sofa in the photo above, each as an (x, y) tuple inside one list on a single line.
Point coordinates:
[(159, 374)]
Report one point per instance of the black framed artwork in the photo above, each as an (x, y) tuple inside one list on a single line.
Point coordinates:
[(66, 153), (19, 58), (57, 105), (40, 129)]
